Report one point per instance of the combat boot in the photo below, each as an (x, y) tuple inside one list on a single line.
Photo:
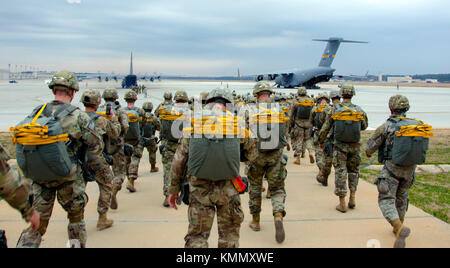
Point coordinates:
[(303, 154), (268, 195), (311, 158), (114, 204), (154, 169), (297, 161), (166, 202), (342, 207), (130, 185), (321, 179), (254, 225), (279, 229), (103, 222), (401, 233), (352, 201)]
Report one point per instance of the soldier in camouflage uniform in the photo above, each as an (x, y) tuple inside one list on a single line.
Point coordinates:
[(108, 129), (272, 165), (17, 191), (346, 155), (300, 128), (214, 190), (169, 147), (70, 190), (326, 162), (394, 181), (152, 125), (110, 95), (132, 162), (167, 101)]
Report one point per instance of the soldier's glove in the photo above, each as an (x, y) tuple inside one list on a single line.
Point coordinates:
[(109, 159), (146, 142), (161, 148), (128, 149)]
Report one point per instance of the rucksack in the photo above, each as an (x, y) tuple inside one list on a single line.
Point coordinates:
[(265, 121), (134, 131), (303, 108), (168, 115), (409, 144), (149, 129), (318, 111), (41, 151), (347, 123)]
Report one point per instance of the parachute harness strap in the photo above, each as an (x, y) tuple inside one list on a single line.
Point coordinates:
[(35, 134)]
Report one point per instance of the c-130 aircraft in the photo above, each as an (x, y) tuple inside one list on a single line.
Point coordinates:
[(309, 77)]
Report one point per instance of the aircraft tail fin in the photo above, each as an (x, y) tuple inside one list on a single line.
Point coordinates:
[(331, 49)]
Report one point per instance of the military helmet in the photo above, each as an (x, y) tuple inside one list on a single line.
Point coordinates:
[(91, 96), (65, 79), (347, 90), (168, 95), (302, 91), (251, 99), (130, 95), (110, 93), (181, 95), (334, 94), (204, 96), (147, 106), (262, 86), (222, 93), (323, 95), (398, 102)]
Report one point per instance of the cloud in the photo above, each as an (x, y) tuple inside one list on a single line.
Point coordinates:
[(74, 1)]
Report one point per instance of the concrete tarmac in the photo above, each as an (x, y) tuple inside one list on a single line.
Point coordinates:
[(311, 220)]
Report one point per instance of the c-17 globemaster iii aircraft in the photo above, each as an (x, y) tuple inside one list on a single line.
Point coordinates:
[(309, 77)]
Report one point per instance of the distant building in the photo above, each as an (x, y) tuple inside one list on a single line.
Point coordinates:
[(431, 81), (4, 74), (399, 79), (380, 77)]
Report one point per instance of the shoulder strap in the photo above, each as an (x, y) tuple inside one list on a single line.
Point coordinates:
[(64, 111)]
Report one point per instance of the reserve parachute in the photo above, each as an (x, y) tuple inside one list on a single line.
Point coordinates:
[(270, 126), (347, 123), (303, 108), (134, 131)]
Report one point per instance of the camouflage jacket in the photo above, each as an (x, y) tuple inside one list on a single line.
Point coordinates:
[(323, 116), (13, 188), (123, 119), (329, 124), (297, 122)]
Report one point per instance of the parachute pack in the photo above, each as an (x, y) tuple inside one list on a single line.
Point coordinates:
[(41, 151), (318, 111), (303, 108), (410, 142), (102, 111), (347, 123), (168, 115), (134, 131), (149, 128), (267, 123)]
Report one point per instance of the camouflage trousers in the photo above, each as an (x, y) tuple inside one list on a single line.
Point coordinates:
[(104, 179), (206, 199), (72, 197), (167, 157), (324, 162), (152, 154), (393, 194), (273, 167), (346, 167), (132, 162), (301, 140), (119, 168)]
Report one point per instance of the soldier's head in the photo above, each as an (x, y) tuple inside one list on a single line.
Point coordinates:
[(302, 91), (204, 97), (130, 97), (335, 96), (347, 91), (168, 96), (91, 99), (262, 91), (181, 96), (323, 98), (398, 104), (220, 97), (110, 94), (64, 84), (148, 107)]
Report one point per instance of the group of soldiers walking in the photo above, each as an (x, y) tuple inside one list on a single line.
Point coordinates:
[(202, 144)]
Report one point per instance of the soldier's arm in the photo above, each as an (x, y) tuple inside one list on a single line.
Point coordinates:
[(177, 170), (365, 123), (15, 191), (143, 122), (157, 123), (326, 128), (312, 115), (113, 127), (89, 136), (376, 140), (124, 121)]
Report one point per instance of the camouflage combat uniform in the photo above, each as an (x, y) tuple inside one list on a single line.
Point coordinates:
[(13, 188), (208, 196), (151, 120)]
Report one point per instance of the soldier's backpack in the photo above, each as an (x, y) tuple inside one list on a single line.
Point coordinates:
[(214, 147), (149, 129), (41, 151), (168, 115), (270, 127), (409, 144), (347, 123), (134, 131), (318, 111), (303, 108), (111, 145)]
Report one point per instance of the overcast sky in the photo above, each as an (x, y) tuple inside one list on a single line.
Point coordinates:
[(210, 37)]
